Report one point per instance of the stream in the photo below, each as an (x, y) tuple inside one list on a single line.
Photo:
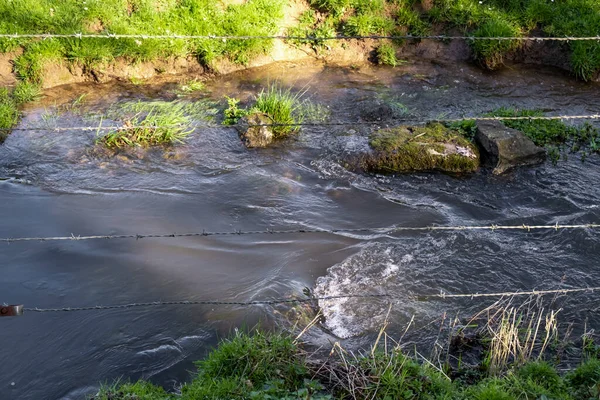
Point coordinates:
[(56, 184)]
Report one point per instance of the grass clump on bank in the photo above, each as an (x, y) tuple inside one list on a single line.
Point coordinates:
[(386, 55), (10, 102), (272, 366), (9, 114)]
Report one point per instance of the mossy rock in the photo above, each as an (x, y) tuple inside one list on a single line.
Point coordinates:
[(433, 147), (254, 131)]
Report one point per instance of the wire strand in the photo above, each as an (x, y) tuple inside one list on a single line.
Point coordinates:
[(285, 37), (388, 230), (440, 120), (306, 300)]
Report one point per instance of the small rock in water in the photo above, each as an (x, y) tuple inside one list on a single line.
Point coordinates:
[(505, 148), (253, 131)]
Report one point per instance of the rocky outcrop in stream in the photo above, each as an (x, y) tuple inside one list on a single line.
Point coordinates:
[(433, 147), (504, 148), (253, 130)]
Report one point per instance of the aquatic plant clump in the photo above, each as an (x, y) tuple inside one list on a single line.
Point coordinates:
[(9, 115), (386, 55), (284, 108), (151, 125)]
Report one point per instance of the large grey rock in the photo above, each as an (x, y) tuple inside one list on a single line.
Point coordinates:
[(252, 135), (504, 148)]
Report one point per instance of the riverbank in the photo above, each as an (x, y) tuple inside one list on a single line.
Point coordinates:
[(274, 366), (56, 61)]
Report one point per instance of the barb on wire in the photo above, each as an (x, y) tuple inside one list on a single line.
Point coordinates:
[(304, 300), (381, 230), (284, 37), (350, 123)]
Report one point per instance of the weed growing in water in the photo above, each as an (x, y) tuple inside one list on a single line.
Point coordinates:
[(468, 128), (192, 86), (233, 113), (552, 132), (159, 122), (24, 92), (283, 106)]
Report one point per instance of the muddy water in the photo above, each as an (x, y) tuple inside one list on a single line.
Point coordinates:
[(58, 185)]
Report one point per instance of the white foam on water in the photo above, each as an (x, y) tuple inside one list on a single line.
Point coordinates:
[(367, 272)]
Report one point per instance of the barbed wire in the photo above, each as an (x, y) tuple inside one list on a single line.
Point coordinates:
[(387, 230), (286, 37), (300, 124), (307, 300)]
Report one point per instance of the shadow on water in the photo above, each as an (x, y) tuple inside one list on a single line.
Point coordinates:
[(212, 182)]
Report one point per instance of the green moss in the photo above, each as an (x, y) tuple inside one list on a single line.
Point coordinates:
[(419, 149)]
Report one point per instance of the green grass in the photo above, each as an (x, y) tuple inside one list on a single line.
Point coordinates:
[(26, 92), (314, 30), (9, 105), (489, 18), (553, 134), (132, 391), (160, 122), (386, 55), (9, 114), (282, 106), (271, 366), (490, 53), (186, 17)]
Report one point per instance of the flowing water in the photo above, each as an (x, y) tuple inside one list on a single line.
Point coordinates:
[(57, 184)]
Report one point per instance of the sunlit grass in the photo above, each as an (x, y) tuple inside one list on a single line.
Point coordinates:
[(189, 17), (150, 124), (282, 106)]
